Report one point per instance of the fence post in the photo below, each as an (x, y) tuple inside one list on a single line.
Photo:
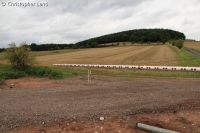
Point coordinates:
[(89, 75)]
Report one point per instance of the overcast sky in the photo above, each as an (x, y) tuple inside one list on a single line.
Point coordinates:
[(70, 21)]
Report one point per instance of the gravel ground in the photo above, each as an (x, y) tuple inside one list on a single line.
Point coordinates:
[(74, 99)]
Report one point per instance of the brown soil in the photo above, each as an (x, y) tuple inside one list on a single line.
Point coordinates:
[(31, 83), (184, 122), (192, 45), (74, 106)]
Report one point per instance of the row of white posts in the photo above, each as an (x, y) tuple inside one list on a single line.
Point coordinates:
[(132, 67)]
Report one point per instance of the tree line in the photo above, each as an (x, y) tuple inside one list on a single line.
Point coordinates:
[(48, 47), (2, 49)]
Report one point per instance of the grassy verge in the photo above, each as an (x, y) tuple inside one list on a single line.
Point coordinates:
[(185, 58), (134, 73), (7, 72)]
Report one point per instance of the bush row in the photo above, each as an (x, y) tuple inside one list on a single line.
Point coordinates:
[(34, 71)]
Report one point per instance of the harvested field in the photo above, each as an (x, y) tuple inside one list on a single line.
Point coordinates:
[(193, 52), (2, 58), (129, 55), (3, 62), (73, 100), (192, 45)]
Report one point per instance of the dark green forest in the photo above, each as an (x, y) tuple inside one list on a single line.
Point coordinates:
[(136, 36), (49, 47), (2, 49)]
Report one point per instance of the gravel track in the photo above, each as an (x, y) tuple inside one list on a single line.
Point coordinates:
[(75, 99)]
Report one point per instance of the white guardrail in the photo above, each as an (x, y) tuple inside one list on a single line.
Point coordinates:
[(132, 67)]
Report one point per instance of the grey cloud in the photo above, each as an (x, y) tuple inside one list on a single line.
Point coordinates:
[(69, 21)]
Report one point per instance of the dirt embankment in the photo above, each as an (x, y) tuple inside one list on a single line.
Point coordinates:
[(183, 121)]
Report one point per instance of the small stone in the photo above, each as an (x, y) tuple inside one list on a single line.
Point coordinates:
[(102, 118), (96, 132), (101, 128), (42, 131), (119, 131), (43, 123), (12, 85)]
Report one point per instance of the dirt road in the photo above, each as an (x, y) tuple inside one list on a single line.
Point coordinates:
[(74, 99)]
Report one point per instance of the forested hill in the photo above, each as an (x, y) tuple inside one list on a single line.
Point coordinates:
[(140, 35)]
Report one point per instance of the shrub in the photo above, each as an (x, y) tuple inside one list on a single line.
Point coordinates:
[(19, 57), (12, 75), (38, 71), (45, 72), (56, 75), (178, 43)]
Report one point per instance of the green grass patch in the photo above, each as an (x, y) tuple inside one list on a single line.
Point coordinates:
[(135, 73), (7, 72), (185, 58), (44, 72)]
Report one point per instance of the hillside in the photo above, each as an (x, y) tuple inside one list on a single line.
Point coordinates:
[(132, 55), (134, 36), (124, 54), (138, 36)]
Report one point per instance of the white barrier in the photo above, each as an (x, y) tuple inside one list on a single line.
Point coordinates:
[(163, 68)]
